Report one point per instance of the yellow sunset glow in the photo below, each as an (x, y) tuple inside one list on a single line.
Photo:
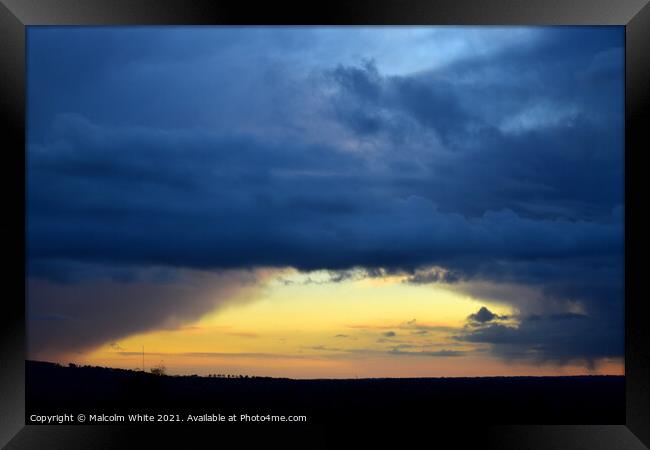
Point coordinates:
[(308, 326)]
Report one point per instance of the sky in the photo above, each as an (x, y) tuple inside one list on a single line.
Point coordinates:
[(327, 202)]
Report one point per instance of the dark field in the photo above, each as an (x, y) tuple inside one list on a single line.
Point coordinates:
[(53, 389)]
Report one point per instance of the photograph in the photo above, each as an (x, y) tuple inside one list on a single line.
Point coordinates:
[(325, 224)]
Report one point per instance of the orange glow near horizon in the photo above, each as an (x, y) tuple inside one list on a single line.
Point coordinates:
[(312, 327)]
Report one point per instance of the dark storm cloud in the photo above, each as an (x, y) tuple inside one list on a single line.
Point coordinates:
[(517, 129), (71, 317), (558, 338), (196, 199), (178, 151), (484, 315)]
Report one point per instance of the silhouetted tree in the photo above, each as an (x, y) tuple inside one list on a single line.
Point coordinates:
[(159, 370)]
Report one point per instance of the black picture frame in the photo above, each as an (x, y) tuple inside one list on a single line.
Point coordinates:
[(16, 15)]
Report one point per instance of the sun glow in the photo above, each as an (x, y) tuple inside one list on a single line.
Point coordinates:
[(310, 325)]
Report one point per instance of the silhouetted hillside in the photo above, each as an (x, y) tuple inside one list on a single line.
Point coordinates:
[(509, 400)]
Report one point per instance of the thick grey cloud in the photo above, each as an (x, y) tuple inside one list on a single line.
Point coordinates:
[(117, 196), (557, 338), (75, 317)]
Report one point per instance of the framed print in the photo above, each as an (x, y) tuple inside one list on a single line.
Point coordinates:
[(227, 217)]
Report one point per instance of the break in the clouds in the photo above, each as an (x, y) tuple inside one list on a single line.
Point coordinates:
[(478, 157)]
